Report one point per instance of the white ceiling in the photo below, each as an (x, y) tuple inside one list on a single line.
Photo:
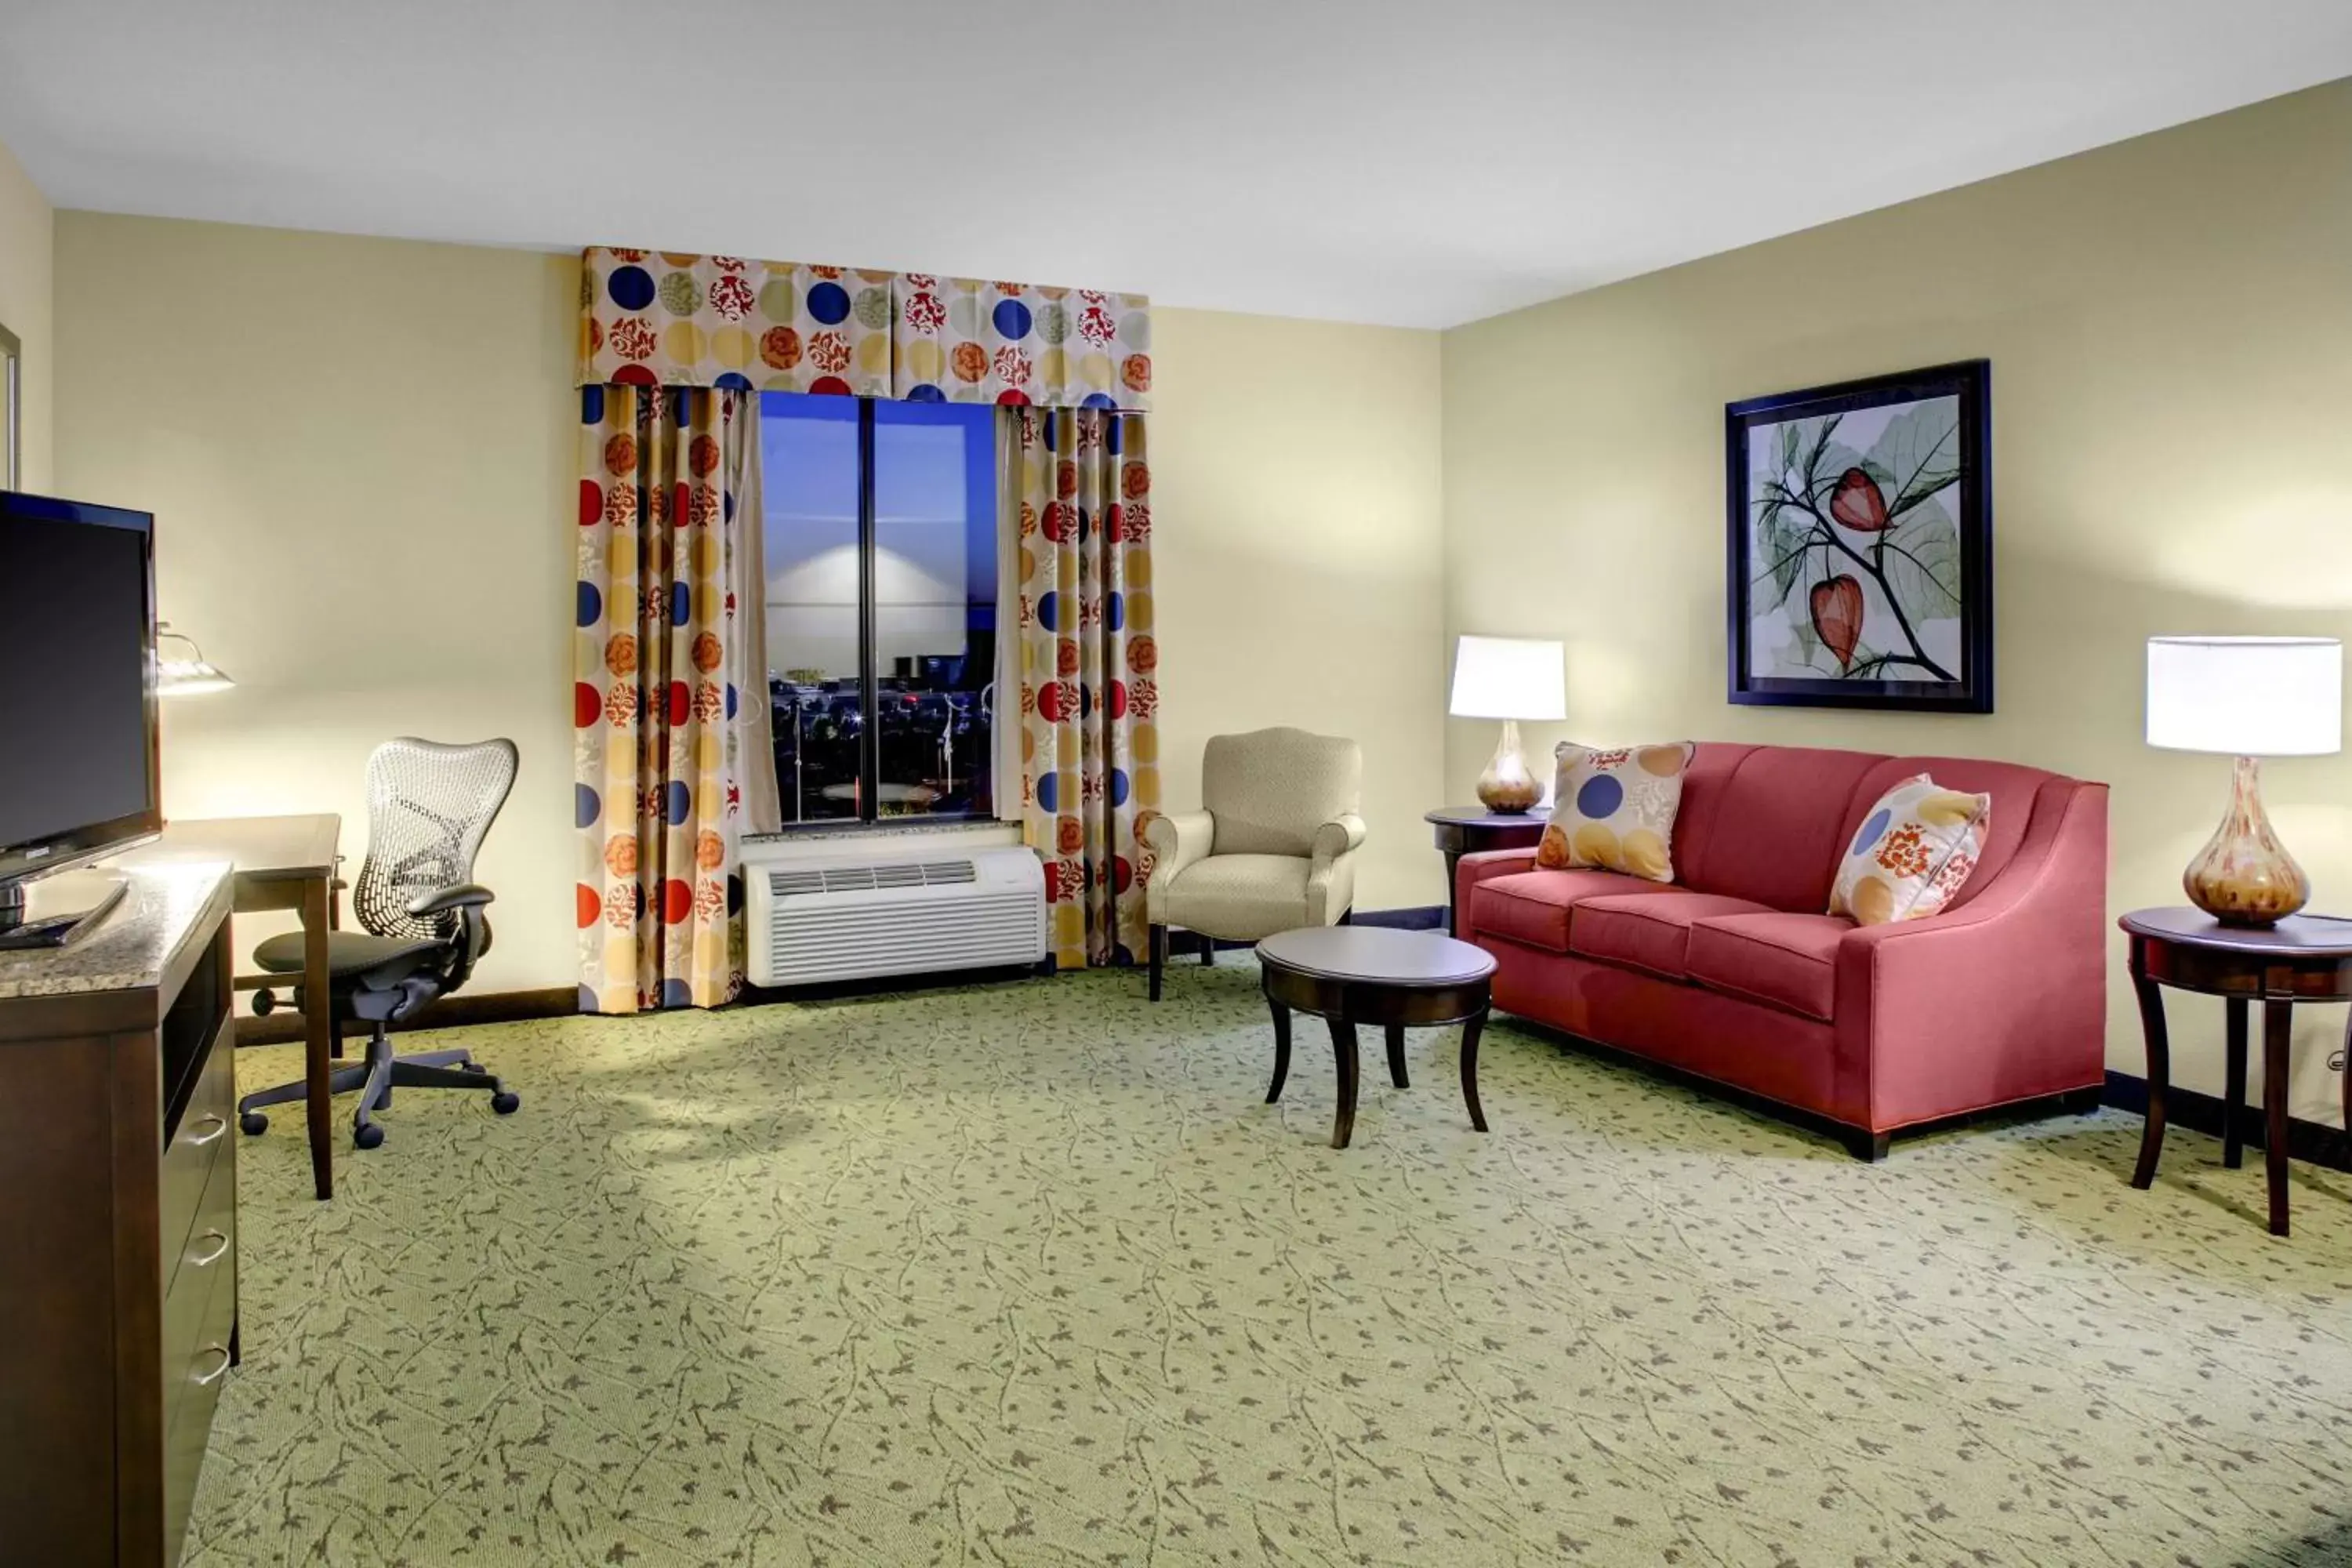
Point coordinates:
[(1414, 161)]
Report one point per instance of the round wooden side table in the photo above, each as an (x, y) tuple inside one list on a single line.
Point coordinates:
[(1373, 974), (2304, 958), (1466, 829)]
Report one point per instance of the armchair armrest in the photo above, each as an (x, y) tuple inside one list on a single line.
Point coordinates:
[(2002, 998), (1472, 869), (456, 896), (1176, 840), (1338, 836), (1331, 872)]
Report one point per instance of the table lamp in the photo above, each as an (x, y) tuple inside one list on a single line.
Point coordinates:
[(1508, 678), (2247, 698), (184, 675)]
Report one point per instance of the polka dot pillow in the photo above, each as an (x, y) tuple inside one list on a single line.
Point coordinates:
[(1616, 809), (1911, 853)]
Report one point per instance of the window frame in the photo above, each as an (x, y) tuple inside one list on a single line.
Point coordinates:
[(870, 675)]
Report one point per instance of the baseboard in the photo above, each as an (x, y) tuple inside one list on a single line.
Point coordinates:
[(2314, 1142), (465, 1010), (1426, 917)]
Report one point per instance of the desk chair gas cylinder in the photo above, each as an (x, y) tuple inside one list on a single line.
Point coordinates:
[(429, 807)]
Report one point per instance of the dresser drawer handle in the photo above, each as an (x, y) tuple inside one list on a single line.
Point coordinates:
[(220, 1250), (208, 1379), (220, 1125)]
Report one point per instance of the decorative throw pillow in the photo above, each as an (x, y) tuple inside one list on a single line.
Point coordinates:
[(1912, 852), (1616, 809)]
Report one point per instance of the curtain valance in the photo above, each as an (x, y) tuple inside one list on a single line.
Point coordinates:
[(663, 318)]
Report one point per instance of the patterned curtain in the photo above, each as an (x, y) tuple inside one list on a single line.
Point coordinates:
[(668, 522), (961, 340), (1089, 742)]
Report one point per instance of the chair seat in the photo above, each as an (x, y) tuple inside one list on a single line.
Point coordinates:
[(349, 954), (1648, 930), (1532, 907), (1240, 897), (1787, 960)]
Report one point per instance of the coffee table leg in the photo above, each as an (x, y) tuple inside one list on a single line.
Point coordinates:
[(1343, 1048), (1396, 1056), (2159, 1069), (1281, 1050), (1470, 1029), (2278, 1027)]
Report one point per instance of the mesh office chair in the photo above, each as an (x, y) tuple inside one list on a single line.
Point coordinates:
[(429, 807)]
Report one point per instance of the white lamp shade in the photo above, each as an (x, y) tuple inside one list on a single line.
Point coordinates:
[(2247, 697), (1508, 678)]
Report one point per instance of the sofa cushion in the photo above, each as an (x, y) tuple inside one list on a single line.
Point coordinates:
[(1912, 852), (1532, 907), (1776, 825), (1787, 960), (2016, 792), (1648, 931)]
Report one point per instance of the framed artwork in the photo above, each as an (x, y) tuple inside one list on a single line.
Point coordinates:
[(12, 410), (1859, 562)]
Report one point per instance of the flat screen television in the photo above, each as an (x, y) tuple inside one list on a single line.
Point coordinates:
[(78, 745)]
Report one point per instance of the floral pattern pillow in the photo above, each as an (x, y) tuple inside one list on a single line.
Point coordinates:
[(1912, 853), (1616, 809)]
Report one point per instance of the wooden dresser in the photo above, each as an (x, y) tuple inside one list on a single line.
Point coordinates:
[(118, 1223)]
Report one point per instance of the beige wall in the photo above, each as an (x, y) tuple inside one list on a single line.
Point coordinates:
[(25, 309), (1298, 546), (2170, 322), (360, 454)]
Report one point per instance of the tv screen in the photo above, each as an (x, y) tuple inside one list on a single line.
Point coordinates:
[(77, 707)]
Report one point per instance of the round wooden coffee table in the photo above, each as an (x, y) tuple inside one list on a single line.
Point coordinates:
[(1368, 974)]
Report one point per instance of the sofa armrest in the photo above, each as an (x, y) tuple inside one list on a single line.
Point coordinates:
[(1472, 869), (2001, 998), (1176, 839)]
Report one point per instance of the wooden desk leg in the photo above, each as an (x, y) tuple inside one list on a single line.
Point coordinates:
[(1470, 1030), (2233, 1093), (2278, 1029), (1343, 1050), (2159, 1068), (317, 1035)]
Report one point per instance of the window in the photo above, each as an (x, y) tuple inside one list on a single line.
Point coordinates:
[(881, 606)]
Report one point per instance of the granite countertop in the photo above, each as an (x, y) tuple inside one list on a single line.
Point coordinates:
[(132, 947)]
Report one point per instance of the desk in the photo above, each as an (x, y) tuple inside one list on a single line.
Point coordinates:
[(282, 863)]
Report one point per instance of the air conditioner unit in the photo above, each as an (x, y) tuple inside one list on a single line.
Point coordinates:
[(880, 908)]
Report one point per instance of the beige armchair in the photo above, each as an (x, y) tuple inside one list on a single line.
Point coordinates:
[(1272, 848)]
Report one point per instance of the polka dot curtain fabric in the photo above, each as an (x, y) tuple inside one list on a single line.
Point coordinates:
[(669, 475), (1913, 853), (655, 318), (961, 340), (1615, 809), (1089, 660)]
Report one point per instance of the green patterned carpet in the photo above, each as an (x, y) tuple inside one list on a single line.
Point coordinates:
[(1028, 1274)]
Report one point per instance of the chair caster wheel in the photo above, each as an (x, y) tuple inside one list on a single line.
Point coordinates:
[(506, 1103), (252, 1124), (367, 1137)]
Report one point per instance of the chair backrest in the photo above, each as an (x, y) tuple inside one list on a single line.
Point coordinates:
[(1271, 789), (429, 807)]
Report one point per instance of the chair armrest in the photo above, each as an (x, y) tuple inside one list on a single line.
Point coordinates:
[(1337, 836), (2002, 998), (1177, 839), (456, 896)]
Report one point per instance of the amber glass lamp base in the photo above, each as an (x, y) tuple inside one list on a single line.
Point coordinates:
[(2243, 876), (1507, 785)]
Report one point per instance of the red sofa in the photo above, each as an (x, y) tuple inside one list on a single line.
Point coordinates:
[(1735, 974)]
